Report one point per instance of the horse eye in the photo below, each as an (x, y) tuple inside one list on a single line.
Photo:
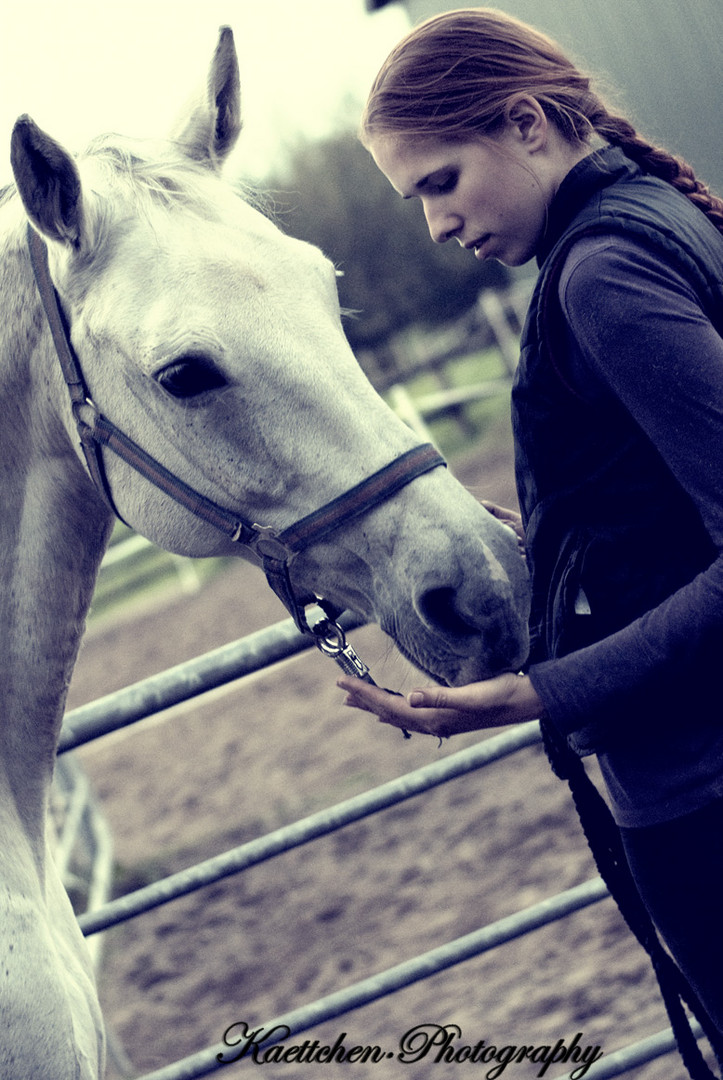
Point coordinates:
[(189, 377)]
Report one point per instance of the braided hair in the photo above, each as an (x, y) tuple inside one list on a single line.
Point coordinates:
[(458, 75)]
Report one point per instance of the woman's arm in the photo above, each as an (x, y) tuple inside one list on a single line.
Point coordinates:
[(639, 330)]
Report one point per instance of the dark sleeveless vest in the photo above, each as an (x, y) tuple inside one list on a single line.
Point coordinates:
[(602, 512), (604, 515)]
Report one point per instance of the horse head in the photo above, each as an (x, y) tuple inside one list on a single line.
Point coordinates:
[(214, 342)]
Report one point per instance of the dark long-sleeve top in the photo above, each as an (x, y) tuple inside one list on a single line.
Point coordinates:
[(636, 332)]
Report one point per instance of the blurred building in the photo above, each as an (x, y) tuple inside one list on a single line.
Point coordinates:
[(661, 59)]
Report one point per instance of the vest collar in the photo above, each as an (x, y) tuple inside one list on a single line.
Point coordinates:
[(595, 172)]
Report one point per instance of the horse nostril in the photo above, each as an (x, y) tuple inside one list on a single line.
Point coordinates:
[(437, 608)]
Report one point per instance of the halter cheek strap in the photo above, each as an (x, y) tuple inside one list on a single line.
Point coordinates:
[(69, 364), (275, 550)]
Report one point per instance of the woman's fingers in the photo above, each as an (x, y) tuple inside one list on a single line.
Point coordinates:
[(510, 518), (460, 698), (394, 709), (449, 710)]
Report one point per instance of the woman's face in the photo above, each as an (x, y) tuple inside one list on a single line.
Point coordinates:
[(490, 194)]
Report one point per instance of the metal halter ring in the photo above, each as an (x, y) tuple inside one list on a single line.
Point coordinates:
[(331, 641)]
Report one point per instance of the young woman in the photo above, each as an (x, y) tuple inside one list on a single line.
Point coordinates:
[(618, 424)]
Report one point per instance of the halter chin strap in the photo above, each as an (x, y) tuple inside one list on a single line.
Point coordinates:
[(275, 549)]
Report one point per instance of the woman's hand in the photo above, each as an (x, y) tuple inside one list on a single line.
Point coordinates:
[(508, 517), (445, 711)]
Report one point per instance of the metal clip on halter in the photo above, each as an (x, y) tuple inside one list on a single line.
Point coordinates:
[(331, 641)]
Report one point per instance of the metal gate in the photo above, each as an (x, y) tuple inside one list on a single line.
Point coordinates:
[(243, 658)]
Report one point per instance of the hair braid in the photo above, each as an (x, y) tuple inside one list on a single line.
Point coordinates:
[(658, 161)]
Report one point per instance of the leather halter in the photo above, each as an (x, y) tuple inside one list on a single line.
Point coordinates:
[(276, 550)]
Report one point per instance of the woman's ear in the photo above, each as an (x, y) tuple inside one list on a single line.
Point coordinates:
[(526, 117)]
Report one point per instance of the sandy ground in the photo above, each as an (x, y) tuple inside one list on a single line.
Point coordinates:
[(279, 746)]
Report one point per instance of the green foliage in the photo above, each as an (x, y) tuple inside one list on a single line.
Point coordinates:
[(333, 195), (459, 428), (144, 574)]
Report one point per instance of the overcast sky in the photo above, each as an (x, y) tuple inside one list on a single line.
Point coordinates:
[(82, 67)]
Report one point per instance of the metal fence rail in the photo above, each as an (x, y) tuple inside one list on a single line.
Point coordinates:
[(309, 828), (252, 654), (387, 982), (83, 851), (185, 681)]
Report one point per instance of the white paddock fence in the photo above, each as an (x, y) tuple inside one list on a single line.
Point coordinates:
[(244, 658)]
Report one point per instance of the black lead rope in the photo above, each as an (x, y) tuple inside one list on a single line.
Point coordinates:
[(605, 842)]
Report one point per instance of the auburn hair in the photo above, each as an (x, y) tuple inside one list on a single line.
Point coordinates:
[(458, 74)]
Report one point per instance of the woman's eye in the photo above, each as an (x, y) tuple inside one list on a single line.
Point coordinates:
[(447, 183), (189, 377)]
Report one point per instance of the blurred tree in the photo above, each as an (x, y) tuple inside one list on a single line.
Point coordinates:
[(333, 195)]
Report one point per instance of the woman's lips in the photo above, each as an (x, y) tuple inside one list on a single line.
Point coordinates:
[(479, 245)]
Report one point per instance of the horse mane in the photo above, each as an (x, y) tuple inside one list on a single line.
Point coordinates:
[(161, 175)]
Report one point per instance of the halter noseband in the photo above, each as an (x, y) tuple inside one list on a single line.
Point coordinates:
[(276, 550)]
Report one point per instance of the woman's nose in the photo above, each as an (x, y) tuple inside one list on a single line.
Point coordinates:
[(442, 224)]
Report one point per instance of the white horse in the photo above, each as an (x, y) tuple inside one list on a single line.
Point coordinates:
[(213, 342)]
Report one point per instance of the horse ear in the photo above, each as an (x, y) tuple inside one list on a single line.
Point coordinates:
[(48, 183), (209, 133)]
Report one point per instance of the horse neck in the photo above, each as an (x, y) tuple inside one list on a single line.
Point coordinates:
[(53, 531)]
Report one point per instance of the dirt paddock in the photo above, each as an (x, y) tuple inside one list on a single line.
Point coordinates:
[(278, 746)]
